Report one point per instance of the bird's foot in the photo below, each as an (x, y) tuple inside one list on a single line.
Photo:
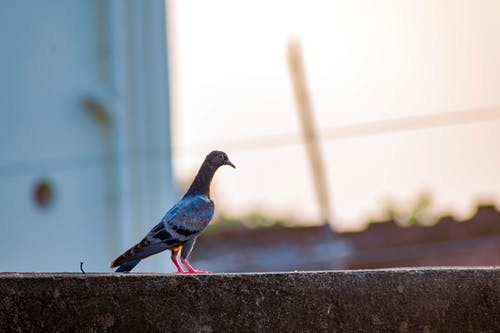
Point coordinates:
[(194, 271), (190, 269)]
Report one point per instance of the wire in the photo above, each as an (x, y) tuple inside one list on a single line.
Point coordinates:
[(359, 130), (257, 143), (85, 162)]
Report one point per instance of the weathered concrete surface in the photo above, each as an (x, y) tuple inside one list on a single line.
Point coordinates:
[(401, 300)]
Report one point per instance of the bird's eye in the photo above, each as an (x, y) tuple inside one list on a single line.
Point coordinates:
[(221, 157)]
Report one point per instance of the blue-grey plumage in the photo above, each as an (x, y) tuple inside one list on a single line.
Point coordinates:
[(128, 266), (178, 229)]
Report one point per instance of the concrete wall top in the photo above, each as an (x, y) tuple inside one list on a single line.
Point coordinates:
[(393, 300)]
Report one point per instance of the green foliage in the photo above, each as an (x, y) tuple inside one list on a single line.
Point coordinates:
[(418, 213), (256, 219)]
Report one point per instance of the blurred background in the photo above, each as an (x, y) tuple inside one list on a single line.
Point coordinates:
[(365, 134)]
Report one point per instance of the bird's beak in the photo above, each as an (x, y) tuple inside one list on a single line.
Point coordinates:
[(230, 164)]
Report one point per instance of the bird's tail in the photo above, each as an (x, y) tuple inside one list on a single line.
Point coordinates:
[(128, 266), (130, 258)]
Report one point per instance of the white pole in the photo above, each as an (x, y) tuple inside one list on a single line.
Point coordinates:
[(309, 129)]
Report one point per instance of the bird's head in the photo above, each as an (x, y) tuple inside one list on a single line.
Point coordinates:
[(218, 158)]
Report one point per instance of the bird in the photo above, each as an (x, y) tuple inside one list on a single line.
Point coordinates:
[(182, 224)]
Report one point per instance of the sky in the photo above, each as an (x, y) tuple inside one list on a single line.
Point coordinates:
[(365, 61)]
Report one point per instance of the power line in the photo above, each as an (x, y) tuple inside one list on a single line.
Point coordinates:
[(411, 123), (263, 142), (84, 162)]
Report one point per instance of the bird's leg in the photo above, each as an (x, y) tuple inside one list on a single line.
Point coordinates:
[(176, 263), (186, 250), (190, 268)]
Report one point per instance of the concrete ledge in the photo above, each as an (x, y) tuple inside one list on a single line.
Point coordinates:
[(397, 300)]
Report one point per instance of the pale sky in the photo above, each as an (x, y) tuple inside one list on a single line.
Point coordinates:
[(365, 61)]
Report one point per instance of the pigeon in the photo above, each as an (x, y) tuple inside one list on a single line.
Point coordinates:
[(181, 225)]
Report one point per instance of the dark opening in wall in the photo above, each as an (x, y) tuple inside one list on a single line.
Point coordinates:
[(43, 193)]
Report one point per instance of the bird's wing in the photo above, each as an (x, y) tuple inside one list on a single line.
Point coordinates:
[(184, 221)]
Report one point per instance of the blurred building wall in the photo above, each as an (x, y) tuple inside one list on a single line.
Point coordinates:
[(384, 244), (85, 160)]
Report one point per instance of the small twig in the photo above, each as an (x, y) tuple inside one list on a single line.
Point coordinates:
[(81, 267)]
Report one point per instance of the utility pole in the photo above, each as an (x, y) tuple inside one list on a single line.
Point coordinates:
[(309, 130)]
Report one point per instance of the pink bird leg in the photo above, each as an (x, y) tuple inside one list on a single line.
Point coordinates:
[(191, 269), (176, 263)]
